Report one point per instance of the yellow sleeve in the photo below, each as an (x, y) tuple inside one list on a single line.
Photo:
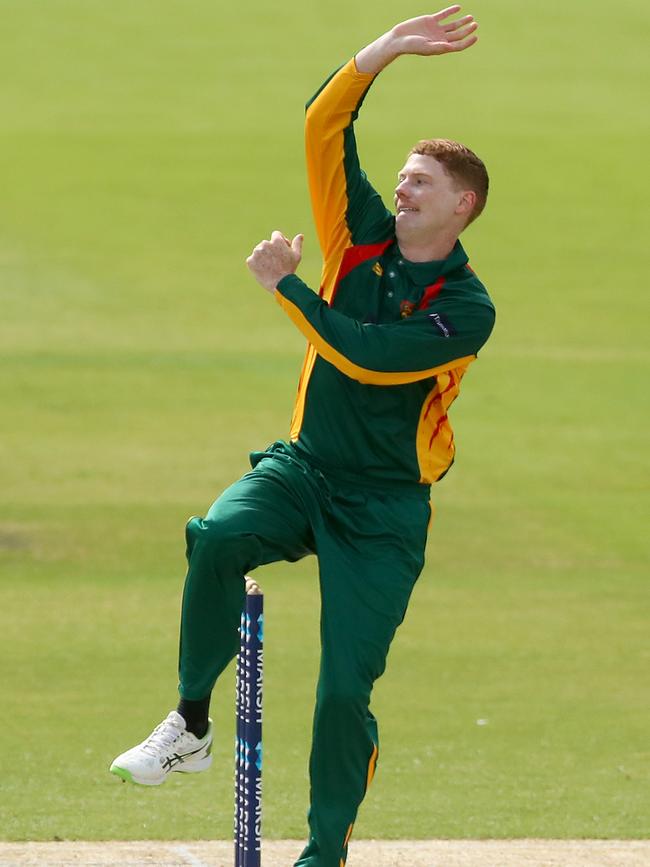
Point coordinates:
[(347, 210)]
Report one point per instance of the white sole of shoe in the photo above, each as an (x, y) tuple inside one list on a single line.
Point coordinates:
[(186, 768)]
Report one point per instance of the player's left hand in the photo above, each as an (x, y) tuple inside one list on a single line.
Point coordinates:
[(272, 260)]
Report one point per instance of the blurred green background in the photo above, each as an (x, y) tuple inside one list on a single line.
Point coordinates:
[(144, 150)]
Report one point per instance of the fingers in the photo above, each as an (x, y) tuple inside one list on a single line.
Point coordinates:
[(459, 22), (296, 245), (252, 586), (257, 250), (445, 13), (264, 245), (461, 46), (462, 33), (279, 236)]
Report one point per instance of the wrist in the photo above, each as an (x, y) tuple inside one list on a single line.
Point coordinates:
[(391, 45), (376, 56), (277, 281), (284, 281)]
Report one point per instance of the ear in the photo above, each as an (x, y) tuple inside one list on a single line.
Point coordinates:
[(466, 203)]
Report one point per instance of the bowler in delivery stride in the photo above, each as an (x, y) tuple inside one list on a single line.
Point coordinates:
[(398, 319)]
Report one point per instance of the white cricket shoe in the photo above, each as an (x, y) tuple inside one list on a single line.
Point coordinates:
[(169, 747)]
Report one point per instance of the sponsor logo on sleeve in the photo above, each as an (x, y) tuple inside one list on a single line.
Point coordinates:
[(443, 325)]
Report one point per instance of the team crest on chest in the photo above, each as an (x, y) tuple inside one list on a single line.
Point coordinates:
[(406, 308)]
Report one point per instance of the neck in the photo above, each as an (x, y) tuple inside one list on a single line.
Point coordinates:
[(416, 250)]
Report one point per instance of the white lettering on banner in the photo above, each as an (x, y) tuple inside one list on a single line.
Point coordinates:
[(439, 324), (258, 808)]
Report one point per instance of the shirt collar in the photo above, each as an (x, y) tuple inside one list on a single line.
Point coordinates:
[(426, 273)]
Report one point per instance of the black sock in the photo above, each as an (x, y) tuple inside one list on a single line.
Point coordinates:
[(195, 714)]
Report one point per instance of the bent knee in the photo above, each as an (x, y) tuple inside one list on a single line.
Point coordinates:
[(223, 536)]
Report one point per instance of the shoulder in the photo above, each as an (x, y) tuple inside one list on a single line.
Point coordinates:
[(463, 306), (464, 287)]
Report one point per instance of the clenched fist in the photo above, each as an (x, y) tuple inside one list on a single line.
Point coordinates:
[(272, 260)]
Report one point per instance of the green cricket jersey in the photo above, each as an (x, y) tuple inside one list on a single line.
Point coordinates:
[(389, 340)]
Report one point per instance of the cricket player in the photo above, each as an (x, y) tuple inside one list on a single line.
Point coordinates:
[(398, 318)]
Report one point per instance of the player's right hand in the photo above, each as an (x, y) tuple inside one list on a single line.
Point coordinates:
[(430, 34)]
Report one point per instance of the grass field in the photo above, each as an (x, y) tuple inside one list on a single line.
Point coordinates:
[(144, 149)]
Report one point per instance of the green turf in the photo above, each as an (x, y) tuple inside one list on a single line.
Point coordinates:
[(144, 149)]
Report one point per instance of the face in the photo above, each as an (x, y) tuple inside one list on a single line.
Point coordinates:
[(428, 200)]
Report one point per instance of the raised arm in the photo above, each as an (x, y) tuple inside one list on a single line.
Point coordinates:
[(347, 210), (427, 35)]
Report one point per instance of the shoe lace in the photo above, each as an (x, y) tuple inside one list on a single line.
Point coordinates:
[(161, 738)]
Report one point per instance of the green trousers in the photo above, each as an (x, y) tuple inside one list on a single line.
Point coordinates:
[(370, 549)]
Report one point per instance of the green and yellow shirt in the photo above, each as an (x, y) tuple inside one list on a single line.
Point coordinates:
[(389, 340)]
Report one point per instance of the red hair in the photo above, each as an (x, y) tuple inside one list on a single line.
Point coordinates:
[(461, 164)]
